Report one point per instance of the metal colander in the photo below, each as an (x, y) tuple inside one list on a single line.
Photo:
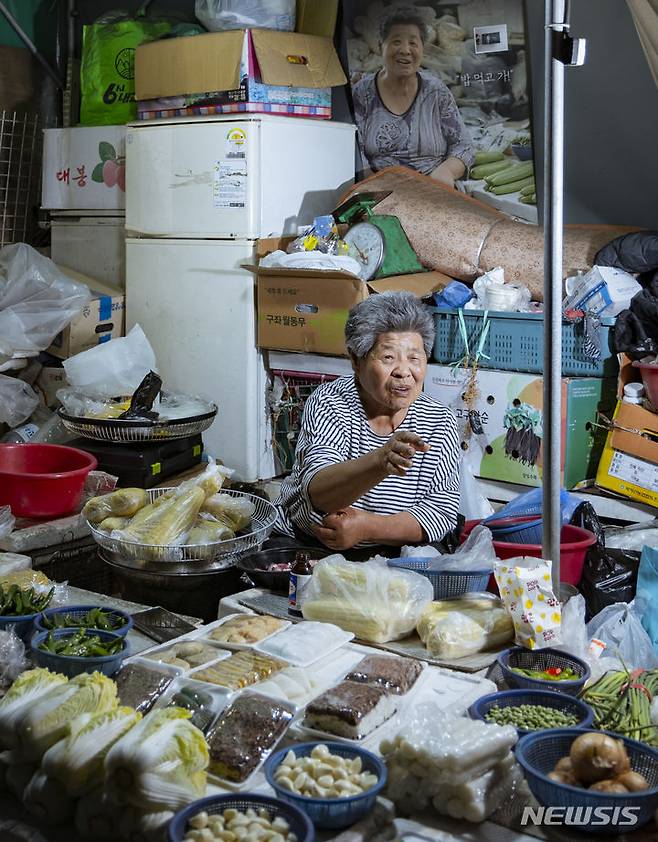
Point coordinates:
[(130, 432), (262, 523)]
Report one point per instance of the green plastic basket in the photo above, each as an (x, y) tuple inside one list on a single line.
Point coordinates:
[(515, 342)]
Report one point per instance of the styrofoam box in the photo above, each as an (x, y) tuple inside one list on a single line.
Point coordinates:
[(84, 168)]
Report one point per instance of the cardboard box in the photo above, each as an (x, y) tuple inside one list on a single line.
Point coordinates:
[(629, 462), (84, 168), (50, 379), (315, 18), (302, 310), (102, 319), (21, 80), (507, 456), (238, 66)]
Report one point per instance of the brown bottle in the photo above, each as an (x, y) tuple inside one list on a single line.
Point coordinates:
[(300, 576)]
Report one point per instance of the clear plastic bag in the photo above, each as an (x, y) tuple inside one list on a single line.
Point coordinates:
[(456, 628), (530, 503), (218, 15), (7, 521), (472, 502), (12, 657), (476, 553), (17, 400), (620, 628), (113, 369), (37, 301), (647, 592), (374, 601)]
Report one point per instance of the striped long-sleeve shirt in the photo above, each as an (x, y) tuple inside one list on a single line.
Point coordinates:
[(335, 428)]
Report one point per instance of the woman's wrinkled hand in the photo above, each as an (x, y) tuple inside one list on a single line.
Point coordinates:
[(398, 452), (344, 529)]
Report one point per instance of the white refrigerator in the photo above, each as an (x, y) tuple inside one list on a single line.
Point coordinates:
[(200, 192)]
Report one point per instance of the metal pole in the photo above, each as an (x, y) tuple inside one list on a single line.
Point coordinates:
[(11, 20), (553, 221)]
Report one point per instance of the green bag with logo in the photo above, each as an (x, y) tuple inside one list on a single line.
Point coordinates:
[(107, 74)]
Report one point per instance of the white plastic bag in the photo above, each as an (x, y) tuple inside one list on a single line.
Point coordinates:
[(525, 586), (12, 657), (18, 400), (37, 301), (472, 502), (7, 521), (620, 627), (218, 15), (113, 369)]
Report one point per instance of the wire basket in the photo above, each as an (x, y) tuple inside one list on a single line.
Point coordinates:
[(538, 753), (20, 173), (447, 584), (291, 390), (542, 659), (541, 698), (262, 523), (299, 823), (129, 432)]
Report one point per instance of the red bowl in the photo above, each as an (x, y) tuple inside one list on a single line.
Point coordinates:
[(574, 543), (43, 480)]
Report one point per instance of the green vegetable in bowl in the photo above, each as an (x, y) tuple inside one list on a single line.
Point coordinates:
[(531, 717), (80, 644), (522, 140), (550, 674), (20, 602), (97, 618)]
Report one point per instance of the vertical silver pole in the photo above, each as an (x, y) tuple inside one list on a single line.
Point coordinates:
[(553, 221)]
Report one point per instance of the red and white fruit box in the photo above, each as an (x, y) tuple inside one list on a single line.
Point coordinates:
[(84, 168)]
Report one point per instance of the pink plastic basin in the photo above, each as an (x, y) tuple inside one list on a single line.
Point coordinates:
[(43, 480)]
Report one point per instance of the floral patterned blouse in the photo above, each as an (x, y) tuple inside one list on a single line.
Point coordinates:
[(431, 131)]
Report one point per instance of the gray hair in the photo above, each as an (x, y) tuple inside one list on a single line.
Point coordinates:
[(387, 312), (404, 16)]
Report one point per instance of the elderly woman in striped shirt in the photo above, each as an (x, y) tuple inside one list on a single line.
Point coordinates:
[(377, 460)]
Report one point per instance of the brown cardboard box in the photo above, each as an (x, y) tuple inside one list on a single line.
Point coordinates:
[(50, 379), (315, 18), (211, 63), (629, 463), (102, 319), (301, 310), (20, 80)]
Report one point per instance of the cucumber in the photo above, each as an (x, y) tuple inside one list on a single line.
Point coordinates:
[(510, 187), (528, 190), (488, 157), (483, 170), (513, 173), (529, 200)]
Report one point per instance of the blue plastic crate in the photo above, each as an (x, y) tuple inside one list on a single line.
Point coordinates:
[(515, 342)]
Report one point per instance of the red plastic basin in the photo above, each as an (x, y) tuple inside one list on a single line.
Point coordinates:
[(574, 543), (650, 379), (43, 480)]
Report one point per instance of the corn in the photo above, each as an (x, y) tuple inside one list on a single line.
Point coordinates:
[(123, 503), (365, 623), (529, 190), (513, 173), (208, 531), (111, 523), (511, 186), (334, 580), (484, 170), (174, 517), (488, 157)]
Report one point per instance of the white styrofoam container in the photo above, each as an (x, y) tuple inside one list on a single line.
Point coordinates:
[(81, 166), (71, 237)]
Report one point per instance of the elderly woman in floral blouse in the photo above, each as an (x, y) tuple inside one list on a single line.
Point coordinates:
[(406, 116)]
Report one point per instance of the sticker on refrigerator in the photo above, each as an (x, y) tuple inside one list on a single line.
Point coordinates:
[(236, 143), (230, 184)]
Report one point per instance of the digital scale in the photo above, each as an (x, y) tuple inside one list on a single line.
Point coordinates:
[(382, 247)]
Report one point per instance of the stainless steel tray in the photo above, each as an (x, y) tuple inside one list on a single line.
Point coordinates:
[(262, 523), (130, 432)]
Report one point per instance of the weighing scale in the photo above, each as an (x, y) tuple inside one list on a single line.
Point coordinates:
[(379, 241)]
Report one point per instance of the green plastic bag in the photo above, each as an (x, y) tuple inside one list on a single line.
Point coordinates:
[(107, 74)]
